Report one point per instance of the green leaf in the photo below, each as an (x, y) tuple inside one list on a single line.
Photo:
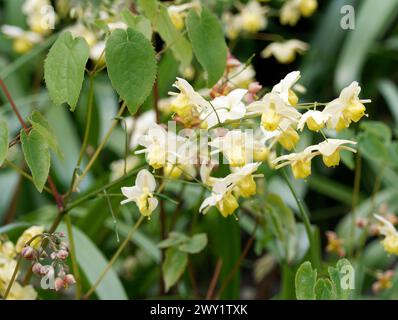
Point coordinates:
[(371, 147), (324, 290), (174, 266), (194, 244), (3, 140), (92, 262), (138, 23), (131, 66), (208, 43), (305, 282), (360, 40), (336, 275), (40, 124), (173, 38), (150, 8), (64, 69), (390, 93), (377, 128), (37, 156), (174, 239)]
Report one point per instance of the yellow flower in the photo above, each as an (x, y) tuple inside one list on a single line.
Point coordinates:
[(314, 119), (142, 193), (308, 7), (346, 108), (273, 111), (253, 17), (243, 180), (330, 150), (19, 292), (285, 88), (23, 41), (300, 163), (27, 235), (387, 229), (7, 250), (285, 52), (227, 205), (288, 138), (177, 13)]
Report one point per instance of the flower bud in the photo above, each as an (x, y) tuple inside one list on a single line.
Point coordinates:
[(69, 279), (29, 253), (59, 284), (36, 268), (62, 254)]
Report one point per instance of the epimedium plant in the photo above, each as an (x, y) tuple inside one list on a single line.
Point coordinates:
[(223, 111)]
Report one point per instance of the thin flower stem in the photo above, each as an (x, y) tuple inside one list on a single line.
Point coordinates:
[(214, 279), (14, 275), (72, 249), (355, 194), (24, 174), (100, 147), (115, 256), (85, 138), (305, 217)]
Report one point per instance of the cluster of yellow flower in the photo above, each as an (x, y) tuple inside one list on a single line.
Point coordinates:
[(8, 253), (273, 119)]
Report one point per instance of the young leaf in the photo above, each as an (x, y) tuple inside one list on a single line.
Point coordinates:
[(173, 239), (372, 147), (150, 8), (208, 43), (195, 244), (64, 69), (37, 156), (336, 275), (131, 64), (305, 282), (174, 266), (138, 23), (324, 290), (173, 38), (3, 140), (40, 124)]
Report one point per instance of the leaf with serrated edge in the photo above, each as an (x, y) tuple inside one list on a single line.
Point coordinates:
[(37, 156), (305, 282), (64, 69), (208, 43), (173, 266), (131, 66), (41, 124)]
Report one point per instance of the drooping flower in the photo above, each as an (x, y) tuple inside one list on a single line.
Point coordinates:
[(285, 52), (28, 234), (273, 111), (346, 108), (177, 13), (236, 146), (300, 163), (40, 14), (225, 108), (387, 229), (122, 166), (292, 10), (330, 150), (142, 193), (243, 179), (314, 119), (23, 41), (253, 17), (384, 281), (188, 104), (159, 145), (221, 197), (138, 126), (335, 244), (285, 88)]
